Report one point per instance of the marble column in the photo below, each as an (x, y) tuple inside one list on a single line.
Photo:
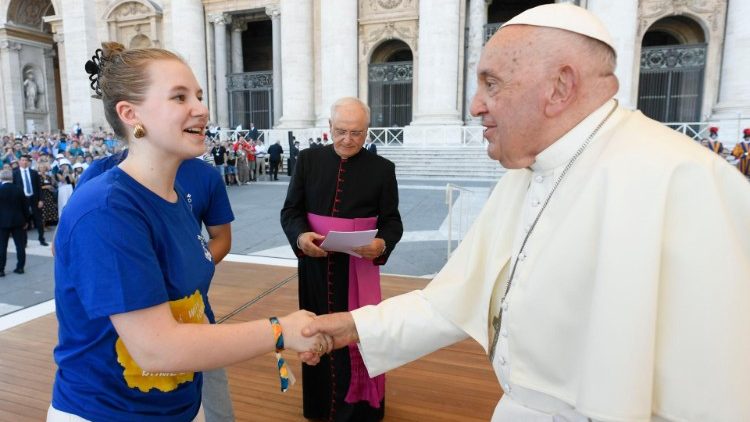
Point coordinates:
[(187, 36), (12, 89), (220, 61), (50, 100), (475, 42), (437, 70), (275, 14), (297, 56), (81, 40), (622, 19), (237, 59), (59, 39), (338, 50), (734, 91)]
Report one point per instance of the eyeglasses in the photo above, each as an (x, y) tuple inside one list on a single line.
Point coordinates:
[(341, 133)]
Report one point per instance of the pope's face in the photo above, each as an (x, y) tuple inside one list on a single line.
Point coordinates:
[(509, 97)]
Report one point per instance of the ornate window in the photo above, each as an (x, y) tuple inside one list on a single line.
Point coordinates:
[(134, 23)]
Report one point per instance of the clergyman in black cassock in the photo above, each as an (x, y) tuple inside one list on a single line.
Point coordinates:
[(340, 180)]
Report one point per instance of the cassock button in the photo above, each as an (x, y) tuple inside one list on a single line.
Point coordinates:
[(505, 306), (506, 387), (504, 332), (535, 203), (501, 360), (522, 256), (539, 179), (527, 228)]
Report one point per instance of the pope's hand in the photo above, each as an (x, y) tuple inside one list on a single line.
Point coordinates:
[(339, 327), (305, 241), (292, 325)]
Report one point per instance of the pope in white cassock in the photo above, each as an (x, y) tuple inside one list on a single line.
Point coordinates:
[(608, 275)]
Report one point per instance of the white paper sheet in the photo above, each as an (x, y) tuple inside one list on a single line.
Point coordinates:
[(346, 241)]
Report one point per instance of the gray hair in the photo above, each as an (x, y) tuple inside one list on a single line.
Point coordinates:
[(347, 101), (6, 175)]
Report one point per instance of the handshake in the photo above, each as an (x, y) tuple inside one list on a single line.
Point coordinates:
[(312, 335)]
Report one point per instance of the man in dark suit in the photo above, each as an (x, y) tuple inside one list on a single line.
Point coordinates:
[(29, 182), (274, 158), (13, 216), (253, 132), (370, 147)]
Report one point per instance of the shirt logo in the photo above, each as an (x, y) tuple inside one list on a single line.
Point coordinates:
[(206, 252)]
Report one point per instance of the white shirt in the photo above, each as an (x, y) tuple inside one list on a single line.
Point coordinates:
[(26, 179)]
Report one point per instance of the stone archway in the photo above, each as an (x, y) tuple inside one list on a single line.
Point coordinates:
[(390, 76), (30, 90), (672, 70)]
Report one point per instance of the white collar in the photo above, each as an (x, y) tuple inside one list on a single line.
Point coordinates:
[(562, 150)]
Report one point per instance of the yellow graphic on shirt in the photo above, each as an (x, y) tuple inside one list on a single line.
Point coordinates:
[(188, 310)]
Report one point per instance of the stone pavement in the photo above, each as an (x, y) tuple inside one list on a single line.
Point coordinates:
[(257, 235)]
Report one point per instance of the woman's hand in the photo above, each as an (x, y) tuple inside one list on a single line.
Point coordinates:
[(292, 326)]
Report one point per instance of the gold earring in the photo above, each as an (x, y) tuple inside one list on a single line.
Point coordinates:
[(139, 131)]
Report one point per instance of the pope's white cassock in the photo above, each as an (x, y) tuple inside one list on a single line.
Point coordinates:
[(631, 301)]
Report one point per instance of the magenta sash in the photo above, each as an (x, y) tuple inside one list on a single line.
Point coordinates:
[(364, 289)]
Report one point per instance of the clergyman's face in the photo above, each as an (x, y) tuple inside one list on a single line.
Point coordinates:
[(508, 97), (349, 129)]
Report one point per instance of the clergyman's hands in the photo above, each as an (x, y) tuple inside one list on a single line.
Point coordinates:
[(314, 344), (338, 326), (373, 250), (305, 243)]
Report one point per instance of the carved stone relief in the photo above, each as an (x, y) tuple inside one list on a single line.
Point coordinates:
[(371, 35), (28, 12), (371, 8), (131, 10), (134, 24), (710, 11)]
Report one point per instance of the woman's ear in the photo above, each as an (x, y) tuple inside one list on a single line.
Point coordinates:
[(564, 90), (127, 113)]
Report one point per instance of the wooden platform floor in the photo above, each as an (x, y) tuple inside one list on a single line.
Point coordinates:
[(452, 384)]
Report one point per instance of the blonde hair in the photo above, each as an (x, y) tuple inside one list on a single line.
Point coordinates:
[(123, 77)]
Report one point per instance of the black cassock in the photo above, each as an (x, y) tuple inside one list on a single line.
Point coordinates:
[(363, 185)]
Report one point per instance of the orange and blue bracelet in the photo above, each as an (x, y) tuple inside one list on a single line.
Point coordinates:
[(285, 375)]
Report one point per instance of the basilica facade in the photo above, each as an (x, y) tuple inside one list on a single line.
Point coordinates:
[(281, 63)]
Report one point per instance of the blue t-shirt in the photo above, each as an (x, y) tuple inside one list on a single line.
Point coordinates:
[(201, 184), (119, 248)]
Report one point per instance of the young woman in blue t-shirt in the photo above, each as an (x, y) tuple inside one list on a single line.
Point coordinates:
[(132, 268)]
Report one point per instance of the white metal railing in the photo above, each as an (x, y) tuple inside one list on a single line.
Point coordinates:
[(730, 130), (463, 205), (386, 135), (389, 136)]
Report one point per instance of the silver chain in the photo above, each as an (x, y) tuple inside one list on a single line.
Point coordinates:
[(533, 224)]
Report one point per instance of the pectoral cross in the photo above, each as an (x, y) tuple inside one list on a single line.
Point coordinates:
[(496, 322)]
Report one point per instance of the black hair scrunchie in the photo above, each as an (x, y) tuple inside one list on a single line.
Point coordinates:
[(94, 69)]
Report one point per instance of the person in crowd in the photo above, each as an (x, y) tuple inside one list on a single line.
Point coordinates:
[(66, 180), (219, 153), (741, 153), (28, 180), (253, 132), (240, 148), (371, 147), (261, 154), (13, 217), (341, 187), (133, 333), (713, 141), (252, 161), (49, 189), (231, 167), (582, 277), (274, 159), (293, 154)]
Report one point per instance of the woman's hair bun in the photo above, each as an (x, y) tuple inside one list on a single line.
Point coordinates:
[(98, 61)]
